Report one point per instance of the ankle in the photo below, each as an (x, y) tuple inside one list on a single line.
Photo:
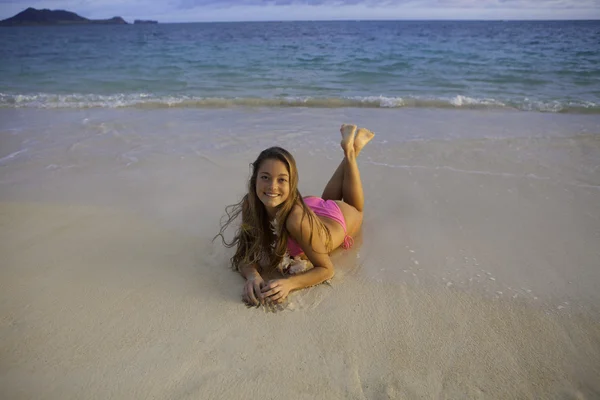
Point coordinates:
[(350, 154)]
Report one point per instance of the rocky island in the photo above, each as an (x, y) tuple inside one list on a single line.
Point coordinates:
[(32, 16)]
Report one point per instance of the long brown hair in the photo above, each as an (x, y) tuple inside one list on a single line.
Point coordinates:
[(255, 240)]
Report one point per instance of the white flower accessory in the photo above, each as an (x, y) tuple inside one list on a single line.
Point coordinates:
[(289, 265)]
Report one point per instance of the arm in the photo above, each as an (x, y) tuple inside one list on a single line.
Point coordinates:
[(300, 229), (322, 271), (249, 271), (253, 285), (254, 282)]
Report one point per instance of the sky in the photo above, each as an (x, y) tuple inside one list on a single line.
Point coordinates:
[(281, 10)]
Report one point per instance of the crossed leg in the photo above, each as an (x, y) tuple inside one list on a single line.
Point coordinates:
[(345, 183)]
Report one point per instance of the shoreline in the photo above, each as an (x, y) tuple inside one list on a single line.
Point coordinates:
[(112, 287)]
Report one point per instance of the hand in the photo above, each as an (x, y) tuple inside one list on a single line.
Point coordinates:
[(252, 288), (276, 290)]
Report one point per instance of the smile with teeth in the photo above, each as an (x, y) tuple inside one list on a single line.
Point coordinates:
[(271, 194)]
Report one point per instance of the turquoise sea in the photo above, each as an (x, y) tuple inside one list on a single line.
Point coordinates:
[(475, 273), (546, 66)]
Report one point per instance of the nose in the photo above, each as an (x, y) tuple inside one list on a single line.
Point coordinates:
[(271, 184)]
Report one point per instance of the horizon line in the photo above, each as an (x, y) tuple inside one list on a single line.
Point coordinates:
[(351, 20), (392, 20), (509, 19)]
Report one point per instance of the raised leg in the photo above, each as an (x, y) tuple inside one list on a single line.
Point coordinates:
[(352, 191), (335, 187), (358, 139)]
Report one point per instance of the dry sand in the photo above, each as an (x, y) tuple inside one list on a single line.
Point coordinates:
[(475, 277)]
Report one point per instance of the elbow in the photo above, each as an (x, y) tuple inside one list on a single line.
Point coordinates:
[(328, 274)]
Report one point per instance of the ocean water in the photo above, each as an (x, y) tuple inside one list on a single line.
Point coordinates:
[(544, 66), (477, 264)]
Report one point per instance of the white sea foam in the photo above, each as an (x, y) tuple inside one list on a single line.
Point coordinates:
[(12, 155), (147, 100), (460, 101)]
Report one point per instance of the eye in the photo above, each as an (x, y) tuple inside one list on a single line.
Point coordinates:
[(282, 180), (263, 177)]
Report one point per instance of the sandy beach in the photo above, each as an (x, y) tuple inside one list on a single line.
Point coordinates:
[(475, 277)]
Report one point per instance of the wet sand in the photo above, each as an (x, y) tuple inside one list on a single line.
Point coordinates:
[(475, 275)]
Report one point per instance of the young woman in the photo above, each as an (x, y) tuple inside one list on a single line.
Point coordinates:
[(277, 223)]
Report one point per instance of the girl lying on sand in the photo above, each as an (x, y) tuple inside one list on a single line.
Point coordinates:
[(281, 230)]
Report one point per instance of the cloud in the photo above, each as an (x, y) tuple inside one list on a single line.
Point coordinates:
[(539, 6), (187, 4), (276, 3), (240, 10), (396, 3)]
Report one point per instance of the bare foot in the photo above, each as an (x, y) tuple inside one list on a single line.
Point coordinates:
[(363, 136), (348, 132)]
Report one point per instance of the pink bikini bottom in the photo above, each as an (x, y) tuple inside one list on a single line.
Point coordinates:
[(322, 208)]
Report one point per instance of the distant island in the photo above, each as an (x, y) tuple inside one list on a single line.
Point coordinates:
[(34, 17), (145, 21)]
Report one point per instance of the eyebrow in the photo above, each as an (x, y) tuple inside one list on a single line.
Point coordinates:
[(266, 173)]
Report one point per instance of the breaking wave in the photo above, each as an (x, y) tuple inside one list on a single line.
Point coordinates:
[(151, 101)]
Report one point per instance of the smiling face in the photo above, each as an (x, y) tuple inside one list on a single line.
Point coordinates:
[(272, 184)]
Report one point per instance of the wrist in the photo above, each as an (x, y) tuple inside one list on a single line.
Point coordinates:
[(253, 276), (250, 273), (296, 282), (309, 278)]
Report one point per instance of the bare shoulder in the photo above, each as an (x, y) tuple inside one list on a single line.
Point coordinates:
[(299, 225), (304, 230), (294, 221)]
